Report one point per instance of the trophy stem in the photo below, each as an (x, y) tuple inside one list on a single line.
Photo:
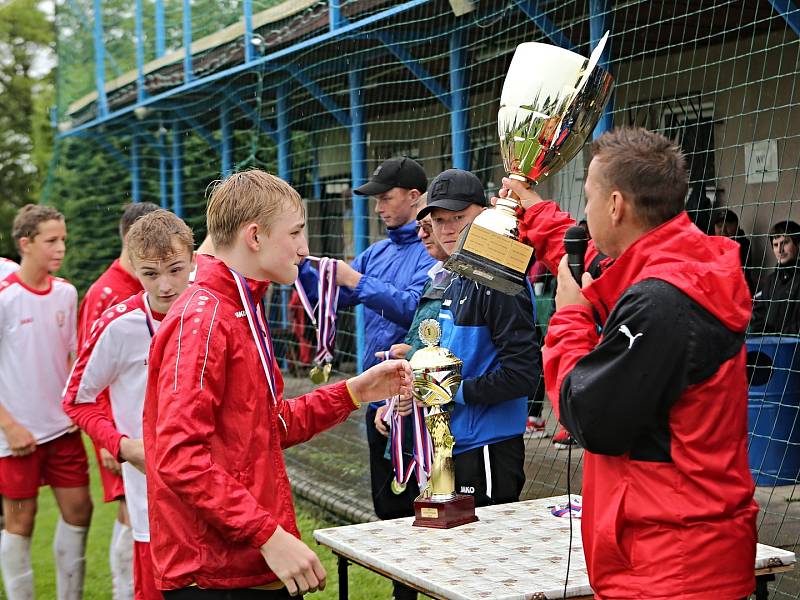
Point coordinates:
[(443, 481)]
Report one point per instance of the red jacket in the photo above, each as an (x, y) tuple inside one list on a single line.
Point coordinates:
[(213, 437), (658, 398)]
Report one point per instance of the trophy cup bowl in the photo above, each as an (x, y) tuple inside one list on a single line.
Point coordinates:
[(437, 376), (551, 101)]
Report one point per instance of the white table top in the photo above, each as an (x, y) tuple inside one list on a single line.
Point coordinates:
[(514, 552)]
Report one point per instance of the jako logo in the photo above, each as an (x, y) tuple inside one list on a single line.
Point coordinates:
[(465, 489), (239, 314)]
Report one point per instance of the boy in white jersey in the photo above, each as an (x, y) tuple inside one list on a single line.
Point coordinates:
[(160, 246), (39, 445)]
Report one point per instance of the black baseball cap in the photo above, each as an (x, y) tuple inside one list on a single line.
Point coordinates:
[(402, 172), (454, 189)]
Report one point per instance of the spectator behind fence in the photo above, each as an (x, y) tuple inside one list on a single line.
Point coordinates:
[(645, 365), (726, 223), (776, 307)]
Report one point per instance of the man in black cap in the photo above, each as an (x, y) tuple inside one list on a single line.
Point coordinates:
[(387, 279), (494, 335)]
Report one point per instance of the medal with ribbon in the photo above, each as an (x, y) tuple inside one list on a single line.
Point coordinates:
[(257, 321), (422, 454), (325, 318)]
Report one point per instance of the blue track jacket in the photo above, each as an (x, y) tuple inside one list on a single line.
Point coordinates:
[(495, 337), (394, 273)]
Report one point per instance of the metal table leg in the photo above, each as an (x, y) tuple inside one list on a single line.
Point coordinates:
[(344, 591), (762, 592)]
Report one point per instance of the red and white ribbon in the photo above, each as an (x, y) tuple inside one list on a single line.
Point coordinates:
[(323, 315), (260, 331), (422, 455), (328, 294)]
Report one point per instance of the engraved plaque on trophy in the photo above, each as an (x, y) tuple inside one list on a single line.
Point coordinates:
[(437, 375), (551, 101)]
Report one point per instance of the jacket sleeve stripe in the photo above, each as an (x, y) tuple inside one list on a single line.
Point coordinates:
[(189, 303), (208, 340)]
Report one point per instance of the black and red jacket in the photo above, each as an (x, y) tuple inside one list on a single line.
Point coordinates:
[(651, 380)]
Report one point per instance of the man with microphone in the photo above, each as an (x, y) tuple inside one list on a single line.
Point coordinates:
[(645, 365)]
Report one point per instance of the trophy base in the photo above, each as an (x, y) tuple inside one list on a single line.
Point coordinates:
[(470, 260), (444, 514)]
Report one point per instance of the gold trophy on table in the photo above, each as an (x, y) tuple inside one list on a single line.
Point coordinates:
[(551, 101), (437, 375)]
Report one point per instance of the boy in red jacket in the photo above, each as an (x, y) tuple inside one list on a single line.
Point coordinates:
[(114, 357), (215, 420)]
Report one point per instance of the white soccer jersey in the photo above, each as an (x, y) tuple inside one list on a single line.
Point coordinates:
[(118, 361), (7, 267), (37, 333)]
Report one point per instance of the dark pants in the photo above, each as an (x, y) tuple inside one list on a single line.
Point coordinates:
[(196, 593), (507, 462), (389, 505)]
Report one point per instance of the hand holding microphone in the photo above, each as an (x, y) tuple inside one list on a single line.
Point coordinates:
[(571, 275)]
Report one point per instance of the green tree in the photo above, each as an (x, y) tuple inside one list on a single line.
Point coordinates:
[(26, 35)]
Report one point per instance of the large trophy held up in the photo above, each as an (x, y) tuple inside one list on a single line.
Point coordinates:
[(437, 375), (552, 99)]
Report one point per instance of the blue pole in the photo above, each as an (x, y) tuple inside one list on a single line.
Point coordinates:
[(459, 102), (284, 133), (247, 8), (358, 170), (227, 138), (316, 183), (177, 170), (187, 41), (335, 14), (140, 91), (135, 172), (100, 59), (160, 43), (163, 180), (598, 24)]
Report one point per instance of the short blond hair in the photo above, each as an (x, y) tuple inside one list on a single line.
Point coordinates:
[(26, 222), (252, 196), (152, 236)]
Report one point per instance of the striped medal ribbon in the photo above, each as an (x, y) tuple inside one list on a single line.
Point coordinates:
[(260, 331)]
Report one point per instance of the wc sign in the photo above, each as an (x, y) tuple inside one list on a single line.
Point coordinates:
[(761, 161)]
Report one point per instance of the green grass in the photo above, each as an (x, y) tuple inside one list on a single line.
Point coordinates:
[(364, 585)]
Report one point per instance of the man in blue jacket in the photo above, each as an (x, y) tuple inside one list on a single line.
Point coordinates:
[(387, 279), (494, 334)]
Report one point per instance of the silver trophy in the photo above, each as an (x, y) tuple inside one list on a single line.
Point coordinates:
[(552, 99)]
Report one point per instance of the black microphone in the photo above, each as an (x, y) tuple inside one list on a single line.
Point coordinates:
[(575, 243)]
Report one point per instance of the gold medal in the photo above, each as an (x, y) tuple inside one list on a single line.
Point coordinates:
[(320, 373), (397, 487)]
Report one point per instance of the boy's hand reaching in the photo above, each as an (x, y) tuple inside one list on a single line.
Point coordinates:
[(294, 563), (384, 380)]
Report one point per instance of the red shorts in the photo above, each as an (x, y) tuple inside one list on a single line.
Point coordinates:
[(59, 463), (113, 488), (144, 582)]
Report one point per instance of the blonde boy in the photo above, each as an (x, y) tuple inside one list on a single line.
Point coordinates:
[(160, 248), (38, 443), (215, 420)]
